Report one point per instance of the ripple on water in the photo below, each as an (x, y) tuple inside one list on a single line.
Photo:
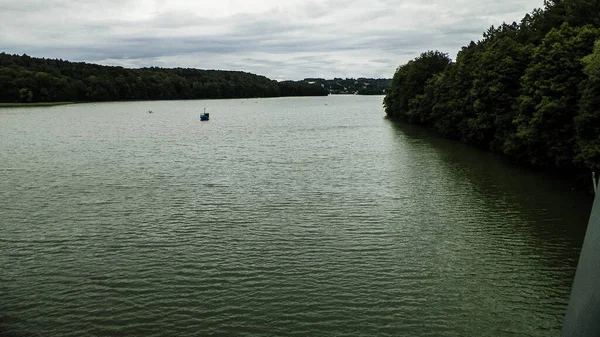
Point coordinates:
[(263, 222)]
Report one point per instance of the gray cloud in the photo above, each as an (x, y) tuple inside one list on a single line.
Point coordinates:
[(292, 40)]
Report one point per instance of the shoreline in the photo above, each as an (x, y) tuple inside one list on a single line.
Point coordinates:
[(48, 104), (38, 104)]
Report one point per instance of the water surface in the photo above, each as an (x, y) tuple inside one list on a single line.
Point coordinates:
[(278, 217)]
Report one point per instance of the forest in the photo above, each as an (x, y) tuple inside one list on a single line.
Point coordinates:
[(529, 89), (28, 79)]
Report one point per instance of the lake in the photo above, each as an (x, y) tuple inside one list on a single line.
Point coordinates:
[(278, 217)]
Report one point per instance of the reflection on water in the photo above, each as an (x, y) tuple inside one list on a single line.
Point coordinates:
[(295, 217), (540, 197)]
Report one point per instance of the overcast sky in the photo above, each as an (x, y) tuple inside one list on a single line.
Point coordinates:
[(281, 39)]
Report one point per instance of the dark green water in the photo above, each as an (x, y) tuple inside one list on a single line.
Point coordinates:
[(278, 217)]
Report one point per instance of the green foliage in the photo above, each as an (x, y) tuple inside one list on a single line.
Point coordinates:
[(587, 123), (545, 134), (530, 90), (300, 88), (46, 80), (408, 85), (592, 63), (25, 95), (582, 12)]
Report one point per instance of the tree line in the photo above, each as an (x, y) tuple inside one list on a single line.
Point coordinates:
[(359, 86), (530, 90), (29, 79)]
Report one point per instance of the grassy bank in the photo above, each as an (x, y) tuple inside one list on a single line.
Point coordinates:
[(22, 105)]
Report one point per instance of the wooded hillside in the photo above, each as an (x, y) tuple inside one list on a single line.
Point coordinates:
[(29, 79)]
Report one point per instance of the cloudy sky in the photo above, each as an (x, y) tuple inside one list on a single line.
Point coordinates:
[(281, 39)]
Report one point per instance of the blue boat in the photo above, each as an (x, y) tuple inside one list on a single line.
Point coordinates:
[(204, 116)]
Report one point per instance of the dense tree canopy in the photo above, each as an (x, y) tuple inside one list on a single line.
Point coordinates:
[(530, 90), (29, 79), (408, 85), (301, 88)]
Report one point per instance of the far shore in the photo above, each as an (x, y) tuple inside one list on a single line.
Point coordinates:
[(23, 105)]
